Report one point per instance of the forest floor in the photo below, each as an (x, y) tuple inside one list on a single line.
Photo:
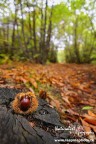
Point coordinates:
[(70, 88)]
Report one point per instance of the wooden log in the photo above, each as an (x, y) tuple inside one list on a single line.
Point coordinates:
[(18, 129)]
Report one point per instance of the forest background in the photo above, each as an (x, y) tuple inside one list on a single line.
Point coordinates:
[(48, 31)]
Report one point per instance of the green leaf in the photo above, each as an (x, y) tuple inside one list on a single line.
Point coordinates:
[(87, 108)]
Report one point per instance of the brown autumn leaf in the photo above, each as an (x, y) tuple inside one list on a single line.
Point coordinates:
[(55, 103), (71, 112), (91, 113), (86, 102), (22, 80), (86, 126), (43, 94), (66, 99), (90, 119)]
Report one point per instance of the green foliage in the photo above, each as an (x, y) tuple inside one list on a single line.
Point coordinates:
[(24, 38), (77, 4), (60, 12), (87, 108), (4, 58)]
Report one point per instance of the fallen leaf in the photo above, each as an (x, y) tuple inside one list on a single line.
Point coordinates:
[(90, 119), (86, 126), (91, 113)]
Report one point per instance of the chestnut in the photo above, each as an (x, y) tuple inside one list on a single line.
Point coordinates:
[(25, 103)]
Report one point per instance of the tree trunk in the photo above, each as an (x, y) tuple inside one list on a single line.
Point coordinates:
[(23, 32), (34, 30), (13, 33), (45, 25), (76, 50), (49, 30), (8, 30), (29, 20)]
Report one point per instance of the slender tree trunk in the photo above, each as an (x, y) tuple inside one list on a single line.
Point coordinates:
[(13, 33), (29, 20), (19, 37), (76, 50), (41, 44), (49, 32), (3, 29), (45, 25), (23, 32), (30, 29), (7, 35), (41, 32), (34, 30), (8, 30)]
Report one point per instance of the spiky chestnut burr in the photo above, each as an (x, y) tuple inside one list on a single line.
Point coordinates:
[(25, 103)]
